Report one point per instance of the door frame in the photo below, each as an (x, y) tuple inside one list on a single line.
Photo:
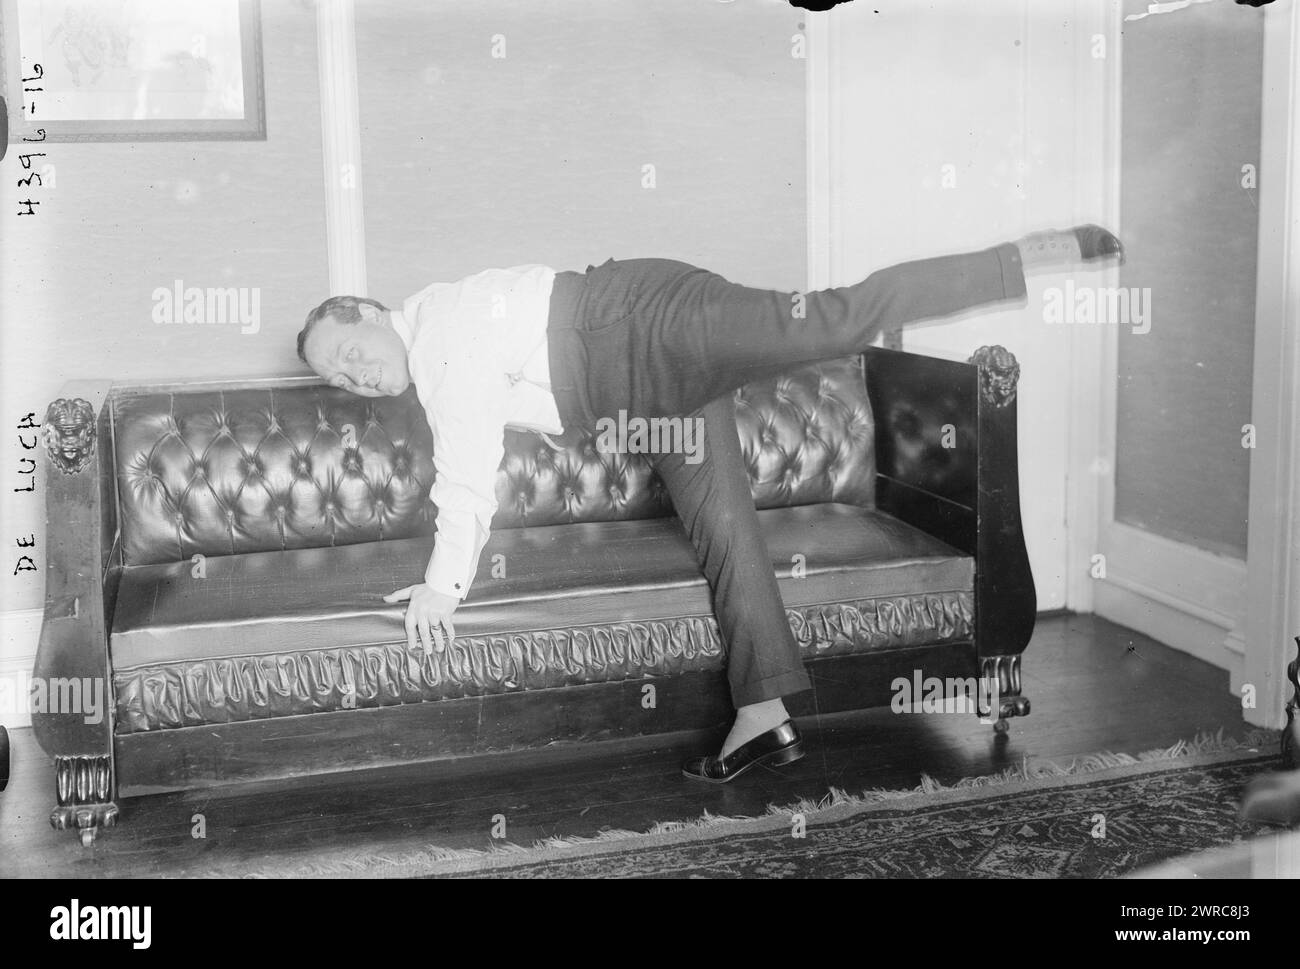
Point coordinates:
[(1239, 615), (1272, 617)]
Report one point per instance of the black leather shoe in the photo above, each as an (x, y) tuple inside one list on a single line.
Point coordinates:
[(778, 746), (1097, 243)]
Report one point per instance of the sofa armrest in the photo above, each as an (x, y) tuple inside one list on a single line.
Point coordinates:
[(80, 516), (946, 462)]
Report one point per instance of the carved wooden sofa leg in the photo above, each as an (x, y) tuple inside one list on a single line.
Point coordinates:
[(84, 787), (72, 656), (1005, 672), (1291, 732)]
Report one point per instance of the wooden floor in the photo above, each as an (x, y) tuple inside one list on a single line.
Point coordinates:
[(1093, 685)]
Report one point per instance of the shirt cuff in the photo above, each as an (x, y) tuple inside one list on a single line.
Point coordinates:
[(449, 572), (457, 547)]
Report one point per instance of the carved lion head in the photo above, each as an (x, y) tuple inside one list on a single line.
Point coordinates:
[(999, 373), (69, 433)]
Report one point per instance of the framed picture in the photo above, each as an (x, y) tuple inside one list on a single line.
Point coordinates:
[(133, 70)]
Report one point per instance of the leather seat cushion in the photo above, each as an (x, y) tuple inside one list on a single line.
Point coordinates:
[(297, 631)]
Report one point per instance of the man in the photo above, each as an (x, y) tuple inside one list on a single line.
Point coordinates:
[(553, 352)]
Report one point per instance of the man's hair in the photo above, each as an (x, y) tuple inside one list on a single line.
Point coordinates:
[(344, 309)]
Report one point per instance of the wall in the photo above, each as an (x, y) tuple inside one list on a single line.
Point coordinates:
[(538, 156), (469, 161), (952, 127), (125, 218)]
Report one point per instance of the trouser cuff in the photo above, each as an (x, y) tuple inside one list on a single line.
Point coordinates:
[(770, 688)]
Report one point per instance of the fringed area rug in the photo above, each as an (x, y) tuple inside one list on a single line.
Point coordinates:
[(1100, 816)]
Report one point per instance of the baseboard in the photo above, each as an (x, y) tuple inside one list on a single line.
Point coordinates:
[(19, 632), (1185, 597), (1184, 626)]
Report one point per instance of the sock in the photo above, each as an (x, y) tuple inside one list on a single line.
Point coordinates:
[(752, 720), (1058, 250)]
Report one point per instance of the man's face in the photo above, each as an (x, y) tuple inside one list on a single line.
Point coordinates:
[(367, 358)]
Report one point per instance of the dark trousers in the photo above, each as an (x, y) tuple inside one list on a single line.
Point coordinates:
[(660, 338)]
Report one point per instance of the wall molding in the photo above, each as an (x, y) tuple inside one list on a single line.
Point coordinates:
[(1096, 199), (1273, 537), (340, 115), (821, 103)]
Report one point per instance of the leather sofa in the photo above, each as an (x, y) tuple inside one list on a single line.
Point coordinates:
[(217, 556)]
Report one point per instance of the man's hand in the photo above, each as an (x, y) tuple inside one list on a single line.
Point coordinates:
[(428, 614)]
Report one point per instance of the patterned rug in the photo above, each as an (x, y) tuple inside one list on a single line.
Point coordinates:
[(1100, 816)]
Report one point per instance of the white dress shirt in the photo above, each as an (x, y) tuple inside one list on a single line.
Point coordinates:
[(476, 349)]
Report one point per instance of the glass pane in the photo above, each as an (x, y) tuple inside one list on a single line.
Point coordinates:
[(1189, 220)]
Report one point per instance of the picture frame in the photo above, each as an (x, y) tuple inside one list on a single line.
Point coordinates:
[(135, 70)]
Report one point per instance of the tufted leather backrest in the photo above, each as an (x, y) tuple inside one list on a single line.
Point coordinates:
[(265, 469), (256, 469)]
